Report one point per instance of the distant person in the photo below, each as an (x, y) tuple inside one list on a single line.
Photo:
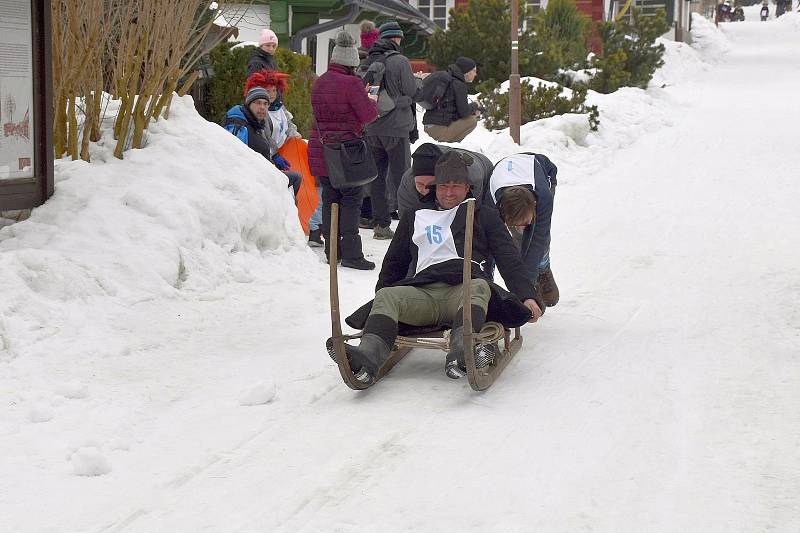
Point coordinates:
[(389, 135), (251, 123), (780, 7), (764, 11), (369, 34), (724, 12), (262, 58), (342, 107), (453, 116)]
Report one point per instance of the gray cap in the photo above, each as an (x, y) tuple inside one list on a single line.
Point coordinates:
[(345, 52)]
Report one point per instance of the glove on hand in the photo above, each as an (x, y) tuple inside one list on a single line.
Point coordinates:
[(280, 162)]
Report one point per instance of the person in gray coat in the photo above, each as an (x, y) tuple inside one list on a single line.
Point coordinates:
[(418, 180), (388, 135)]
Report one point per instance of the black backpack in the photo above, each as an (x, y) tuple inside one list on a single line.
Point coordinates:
[(371, 70), (434, 87)]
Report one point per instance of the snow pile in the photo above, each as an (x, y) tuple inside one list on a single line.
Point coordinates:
[(188, 212), (681, 64), (708, 40), (258, 393), (89, 461)]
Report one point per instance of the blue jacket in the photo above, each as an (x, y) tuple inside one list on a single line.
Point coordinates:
[(241, 122)]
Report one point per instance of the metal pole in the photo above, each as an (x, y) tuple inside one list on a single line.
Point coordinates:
[(514, 104)]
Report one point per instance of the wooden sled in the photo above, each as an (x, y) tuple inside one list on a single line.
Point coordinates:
[(492, 332)]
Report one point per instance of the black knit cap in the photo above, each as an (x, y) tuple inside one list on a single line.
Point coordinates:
[(465, 64), (452, 168), (424, 159)]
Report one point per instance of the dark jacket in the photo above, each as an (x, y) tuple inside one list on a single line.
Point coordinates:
[(239, 118), (408, 199), (260, 60), (491, 240), (402, 87), (341, 110), (536, 237), (455, 104)]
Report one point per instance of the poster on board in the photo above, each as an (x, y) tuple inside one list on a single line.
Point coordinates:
[(16, 90)]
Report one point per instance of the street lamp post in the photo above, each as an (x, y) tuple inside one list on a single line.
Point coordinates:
[(514, 104)]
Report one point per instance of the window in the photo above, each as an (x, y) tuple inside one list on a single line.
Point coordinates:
[(436, 10)]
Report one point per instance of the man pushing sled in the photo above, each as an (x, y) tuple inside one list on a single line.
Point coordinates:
[(421, 280)]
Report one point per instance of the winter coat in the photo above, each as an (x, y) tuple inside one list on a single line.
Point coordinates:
[(341, 110), (408, 198), (540, 177), (491, 240), (260, 60), (280, 125), (403, 88), (242, 123), (455, 105)]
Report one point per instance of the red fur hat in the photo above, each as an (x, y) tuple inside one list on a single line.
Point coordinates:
[(267, 78)]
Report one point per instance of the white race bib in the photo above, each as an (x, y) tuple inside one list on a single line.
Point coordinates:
[(517, 169), (433, 237)]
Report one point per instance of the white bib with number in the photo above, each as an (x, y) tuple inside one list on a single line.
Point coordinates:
[(517, 169), (433, 237)]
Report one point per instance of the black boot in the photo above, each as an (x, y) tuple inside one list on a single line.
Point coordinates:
[(367, 358), (315, 238), (352, 256)]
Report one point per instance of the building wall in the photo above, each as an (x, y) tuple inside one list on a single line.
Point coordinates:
[(437, 10)]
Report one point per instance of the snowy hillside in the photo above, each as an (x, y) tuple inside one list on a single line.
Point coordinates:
[(162, 328)]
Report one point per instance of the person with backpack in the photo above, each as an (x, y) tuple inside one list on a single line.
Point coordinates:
[(263, 57), (251, 122), (449, 115), (764, 11), (388, 73)]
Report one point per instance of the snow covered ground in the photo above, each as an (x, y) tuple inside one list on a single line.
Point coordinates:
[(162, 325)]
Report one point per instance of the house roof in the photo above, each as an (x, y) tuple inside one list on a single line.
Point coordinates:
[(400, 10)]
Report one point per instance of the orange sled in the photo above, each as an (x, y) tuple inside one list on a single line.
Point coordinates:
[(295, 151)]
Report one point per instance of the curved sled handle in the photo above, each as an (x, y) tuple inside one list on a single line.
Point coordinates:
[(466, 306)]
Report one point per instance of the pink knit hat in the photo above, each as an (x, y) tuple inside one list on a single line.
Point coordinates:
[(267, 36)]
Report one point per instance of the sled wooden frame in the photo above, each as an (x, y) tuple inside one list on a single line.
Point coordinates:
[(479, 379)]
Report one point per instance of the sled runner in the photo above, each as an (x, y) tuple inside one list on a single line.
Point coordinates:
[(427, 338)]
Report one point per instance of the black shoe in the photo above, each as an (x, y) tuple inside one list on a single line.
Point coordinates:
[(365, 223), (454, 366), (315, 238), (368, 357), (395, 215), (358, 264)]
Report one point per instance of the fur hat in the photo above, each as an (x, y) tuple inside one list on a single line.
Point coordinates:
[(345, 52), (391, 29), (267, 36), (267, 78), (452, 168)]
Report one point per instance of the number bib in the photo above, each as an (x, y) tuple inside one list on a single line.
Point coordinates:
[(434, 237)]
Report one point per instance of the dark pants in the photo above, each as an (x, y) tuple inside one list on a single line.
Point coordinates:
[(349, 201), (295, 180), (392, 157)]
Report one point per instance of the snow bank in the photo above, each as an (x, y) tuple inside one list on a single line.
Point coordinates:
[(182, 214), (708, 40)]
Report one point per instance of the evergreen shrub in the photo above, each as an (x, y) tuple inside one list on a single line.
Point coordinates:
[(537, 103), (230, 69)]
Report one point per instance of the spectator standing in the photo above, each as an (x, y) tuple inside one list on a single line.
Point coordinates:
[(262, 58), (341, 109), (389, 135)]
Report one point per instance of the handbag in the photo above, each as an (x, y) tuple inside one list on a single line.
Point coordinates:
[(349, 163)]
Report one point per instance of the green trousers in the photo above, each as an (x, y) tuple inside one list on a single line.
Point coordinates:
[(436, 303)]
